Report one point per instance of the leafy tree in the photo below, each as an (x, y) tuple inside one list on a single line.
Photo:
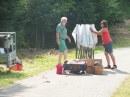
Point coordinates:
[(35, 21)]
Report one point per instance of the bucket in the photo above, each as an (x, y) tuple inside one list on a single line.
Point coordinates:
[(16, 67), (59, 68)]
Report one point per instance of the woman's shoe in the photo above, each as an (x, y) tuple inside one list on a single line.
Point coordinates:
[(114, 67), (108, 67)]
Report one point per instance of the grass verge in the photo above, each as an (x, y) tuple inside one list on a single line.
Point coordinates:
[(31, 66), (124, 89)]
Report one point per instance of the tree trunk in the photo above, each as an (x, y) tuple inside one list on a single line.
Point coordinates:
[(43, 35), (36, 37)]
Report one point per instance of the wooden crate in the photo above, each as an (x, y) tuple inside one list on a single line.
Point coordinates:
[(90, 62), (98, 70), (90, 69)]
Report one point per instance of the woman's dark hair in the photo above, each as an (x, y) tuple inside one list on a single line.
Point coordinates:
[(105, 23)]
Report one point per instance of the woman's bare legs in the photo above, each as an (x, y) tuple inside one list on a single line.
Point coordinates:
[(107, 58), (113, 58)]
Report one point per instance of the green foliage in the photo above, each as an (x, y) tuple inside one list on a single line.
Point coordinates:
[(6, 14), (125, 8), (110, 11), (35, 21)]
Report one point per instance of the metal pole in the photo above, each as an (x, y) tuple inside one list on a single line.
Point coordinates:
[(76, 46), (93, 54)]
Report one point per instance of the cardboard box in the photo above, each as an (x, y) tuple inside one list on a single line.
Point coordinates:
[(98, 70), (90, 69), (90, 62)]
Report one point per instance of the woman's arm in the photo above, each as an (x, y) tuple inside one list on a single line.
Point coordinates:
[(98, 32)]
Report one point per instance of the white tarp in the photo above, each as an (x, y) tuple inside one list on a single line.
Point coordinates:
[(85, 38)]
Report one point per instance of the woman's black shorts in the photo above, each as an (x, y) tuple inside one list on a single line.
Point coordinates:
[(108, 47)]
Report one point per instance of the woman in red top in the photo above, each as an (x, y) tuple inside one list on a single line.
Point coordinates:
[(107, 42)]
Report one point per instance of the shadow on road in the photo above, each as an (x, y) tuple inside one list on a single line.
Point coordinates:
[(74, 74), (105, 73), (121, 72), (114, 71), (12, 90)]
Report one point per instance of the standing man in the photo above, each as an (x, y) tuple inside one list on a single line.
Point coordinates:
[(61, 35)]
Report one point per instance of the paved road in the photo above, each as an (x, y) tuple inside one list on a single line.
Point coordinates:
[(48, 84)]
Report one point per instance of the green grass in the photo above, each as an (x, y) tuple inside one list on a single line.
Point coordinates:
[(124, 89), (120, 44), (98, 49)]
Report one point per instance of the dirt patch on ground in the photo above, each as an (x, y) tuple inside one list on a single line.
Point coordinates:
[(31, 52)]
